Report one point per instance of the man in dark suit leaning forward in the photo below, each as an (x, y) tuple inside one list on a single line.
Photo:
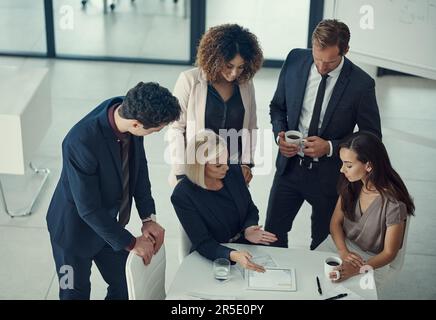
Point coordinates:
[(104, 167), (323, 95)]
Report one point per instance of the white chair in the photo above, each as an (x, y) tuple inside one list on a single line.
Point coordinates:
[(184, 245), (391, 272), (146, 282)]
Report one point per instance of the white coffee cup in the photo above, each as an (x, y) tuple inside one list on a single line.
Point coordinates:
[(295, 137), (330, 264)]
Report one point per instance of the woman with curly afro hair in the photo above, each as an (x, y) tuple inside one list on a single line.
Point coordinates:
[(218, 94)]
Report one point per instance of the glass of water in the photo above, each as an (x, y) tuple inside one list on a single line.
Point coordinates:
[(221, 269)]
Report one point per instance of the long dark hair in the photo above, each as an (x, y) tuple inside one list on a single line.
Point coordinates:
[(383, 177)]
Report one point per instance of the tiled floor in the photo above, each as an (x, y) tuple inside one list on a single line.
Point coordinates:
[(409, 128)]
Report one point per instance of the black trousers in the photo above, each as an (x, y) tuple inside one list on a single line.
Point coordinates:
[(110, 263), (288, 192)]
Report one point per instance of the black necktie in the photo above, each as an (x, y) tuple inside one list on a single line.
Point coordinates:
[(124, 213), (314, 122)]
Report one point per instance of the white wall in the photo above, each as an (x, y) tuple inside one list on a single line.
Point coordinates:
[(329, 14), (280, 25), (394, 34)]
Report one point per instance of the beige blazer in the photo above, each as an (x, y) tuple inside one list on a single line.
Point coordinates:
[(191, 90)]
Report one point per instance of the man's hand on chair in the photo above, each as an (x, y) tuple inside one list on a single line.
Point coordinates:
[(144, 248), (155, 233)]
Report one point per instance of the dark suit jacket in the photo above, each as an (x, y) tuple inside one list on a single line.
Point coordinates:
[(352, 102), (201, 218), (82, 215)]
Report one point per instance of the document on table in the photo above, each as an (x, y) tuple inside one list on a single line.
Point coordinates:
[(264, 260), (205, 296), (274, 279), (351, 295)]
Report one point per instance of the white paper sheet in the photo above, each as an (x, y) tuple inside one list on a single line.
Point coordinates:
[(264, 260), (351, 295), (205, 296)]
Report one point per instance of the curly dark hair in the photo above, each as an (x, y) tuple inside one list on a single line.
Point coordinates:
[(222, 43), (150, 104)]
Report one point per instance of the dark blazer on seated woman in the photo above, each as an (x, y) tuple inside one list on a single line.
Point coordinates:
[(213, 217)]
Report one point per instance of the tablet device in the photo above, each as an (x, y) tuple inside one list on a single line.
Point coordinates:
[(273, 279)]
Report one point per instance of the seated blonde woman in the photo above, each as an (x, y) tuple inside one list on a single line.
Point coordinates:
[(369, 221), (214, 205)]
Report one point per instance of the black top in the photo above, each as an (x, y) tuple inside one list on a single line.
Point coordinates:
[(225, 204), (226, 115), (207, 217)]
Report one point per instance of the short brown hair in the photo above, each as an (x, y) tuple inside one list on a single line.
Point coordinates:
[(331, 32), (222, 43)]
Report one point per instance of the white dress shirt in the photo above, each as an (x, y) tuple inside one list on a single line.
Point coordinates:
[(309, 100)]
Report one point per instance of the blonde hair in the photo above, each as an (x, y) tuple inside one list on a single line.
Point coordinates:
[(205, 147)]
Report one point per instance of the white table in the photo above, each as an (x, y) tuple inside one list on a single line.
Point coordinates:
[(195, 276), (25, 115)]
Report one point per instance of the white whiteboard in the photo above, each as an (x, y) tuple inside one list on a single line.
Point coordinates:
[(402, 37)]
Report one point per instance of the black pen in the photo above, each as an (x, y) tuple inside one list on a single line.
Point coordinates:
[(338, 296), (319, 285)]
